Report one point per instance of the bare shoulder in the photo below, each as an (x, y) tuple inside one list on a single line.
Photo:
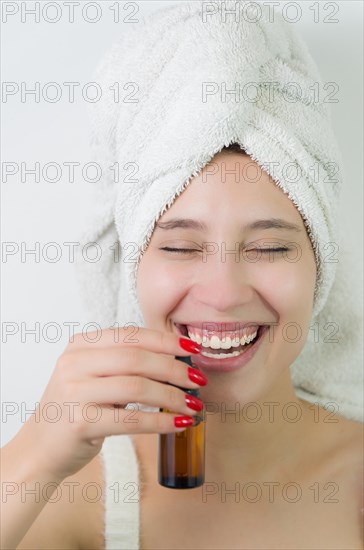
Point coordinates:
[(74, 517), (345, 445), (355, 451), (350, 441), (347, 459), (354, 466)]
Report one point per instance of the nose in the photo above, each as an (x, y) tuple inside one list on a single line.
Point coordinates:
[(223, 283)]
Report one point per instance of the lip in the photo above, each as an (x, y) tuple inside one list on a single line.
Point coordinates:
[(221, 327), (229, 364)]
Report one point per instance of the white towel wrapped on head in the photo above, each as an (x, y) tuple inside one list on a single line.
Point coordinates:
[(174, 117)]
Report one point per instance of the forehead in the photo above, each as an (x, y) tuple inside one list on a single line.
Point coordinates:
[(235, 171)]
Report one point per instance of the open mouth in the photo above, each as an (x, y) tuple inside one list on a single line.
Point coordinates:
[(221, 353)]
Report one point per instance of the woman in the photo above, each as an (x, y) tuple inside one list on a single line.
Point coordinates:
[(281, 471)]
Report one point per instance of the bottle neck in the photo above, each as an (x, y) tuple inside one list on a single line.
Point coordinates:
[(187, 360)]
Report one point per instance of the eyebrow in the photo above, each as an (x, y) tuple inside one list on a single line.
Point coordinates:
[(188, 223)]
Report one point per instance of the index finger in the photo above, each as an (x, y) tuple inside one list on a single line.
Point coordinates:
[(135, 336)]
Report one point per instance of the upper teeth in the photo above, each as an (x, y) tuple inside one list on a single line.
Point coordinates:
[(215, 342)]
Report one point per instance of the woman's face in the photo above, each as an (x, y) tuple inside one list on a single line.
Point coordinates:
[(224, 277)]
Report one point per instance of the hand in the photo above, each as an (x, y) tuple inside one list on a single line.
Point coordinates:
[(90, 386)]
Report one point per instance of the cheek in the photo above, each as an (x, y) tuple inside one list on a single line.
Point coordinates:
[(159, 286), (288, 288)]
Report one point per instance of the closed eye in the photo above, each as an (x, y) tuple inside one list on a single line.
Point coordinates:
[(188, 250), (179, 250), (281, 249)]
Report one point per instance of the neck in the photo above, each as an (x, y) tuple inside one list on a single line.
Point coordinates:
[(270, 435)]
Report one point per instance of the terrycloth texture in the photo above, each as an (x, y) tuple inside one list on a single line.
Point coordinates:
[(168, 134), (121, 494)]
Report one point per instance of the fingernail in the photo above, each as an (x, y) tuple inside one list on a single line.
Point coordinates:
[(183, 421), (196, 376), (193, 402), (190, 345)]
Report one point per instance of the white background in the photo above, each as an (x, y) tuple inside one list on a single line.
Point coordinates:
[(54, 212)]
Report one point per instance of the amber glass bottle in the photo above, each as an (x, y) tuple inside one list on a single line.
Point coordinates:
[(181, 455)]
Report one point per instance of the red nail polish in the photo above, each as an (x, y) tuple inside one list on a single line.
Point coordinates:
[(195, 376), (193, 403), (190, 345), (183, 421)]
